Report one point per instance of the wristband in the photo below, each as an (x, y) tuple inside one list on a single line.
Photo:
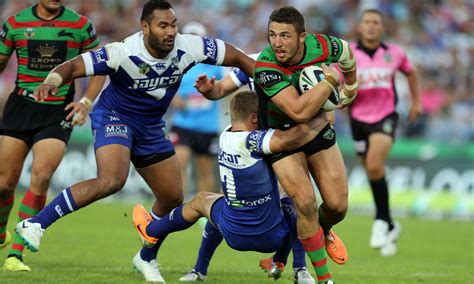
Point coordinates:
[(86, 102), (351, 87), (53, 78), (345, 100)]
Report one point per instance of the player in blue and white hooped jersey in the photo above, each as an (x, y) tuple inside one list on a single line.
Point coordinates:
[(249, 214), (145, 71)]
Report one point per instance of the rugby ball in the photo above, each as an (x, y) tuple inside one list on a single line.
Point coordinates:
[(309, 77)]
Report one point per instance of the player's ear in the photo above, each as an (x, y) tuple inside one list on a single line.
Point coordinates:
[(303, 37), (253, 118), (145, 27)]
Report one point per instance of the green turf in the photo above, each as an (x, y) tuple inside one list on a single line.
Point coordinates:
[(96, 245)]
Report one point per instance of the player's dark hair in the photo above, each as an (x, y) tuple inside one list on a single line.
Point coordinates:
[(151, 6), (373, 11), (242, 105), (289, 15)]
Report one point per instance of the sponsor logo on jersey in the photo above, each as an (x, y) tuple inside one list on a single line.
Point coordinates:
[(65, 33), (210, 49), (175, 63), (29, 33), (160, 65), (335, 47), (155, 83), (268, 78), (226, 157), (45, 55), (92, 32), (99, 55), (116, 130), (250, 203), (254, 141)]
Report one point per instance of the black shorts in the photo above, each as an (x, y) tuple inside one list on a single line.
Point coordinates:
[(361, 131), (200, 143), (30, 121), (324, 140)]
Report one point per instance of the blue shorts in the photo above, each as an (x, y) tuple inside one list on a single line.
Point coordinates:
[(144, 141), (270, 241)]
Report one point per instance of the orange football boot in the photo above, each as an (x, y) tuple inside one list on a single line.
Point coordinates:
[(141, 219), (336, 248)]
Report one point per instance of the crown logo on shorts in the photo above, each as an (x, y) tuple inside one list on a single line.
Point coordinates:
[(46, 50)]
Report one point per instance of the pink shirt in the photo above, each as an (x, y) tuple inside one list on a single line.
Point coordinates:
[(376, 96)]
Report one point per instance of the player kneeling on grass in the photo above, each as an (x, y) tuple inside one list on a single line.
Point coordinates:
[(249, 215)]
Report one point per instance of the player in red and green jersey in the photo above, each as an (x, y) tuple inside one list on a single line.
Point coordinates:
[(43, 36), (282, 105)]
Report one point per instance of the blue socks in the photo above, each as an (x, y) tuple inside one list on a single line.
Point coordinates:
[(172, 222), (62, 205), (211, 238)]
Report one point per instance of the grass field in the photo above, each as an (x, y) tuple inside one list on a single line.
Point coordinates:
[(96, 245)]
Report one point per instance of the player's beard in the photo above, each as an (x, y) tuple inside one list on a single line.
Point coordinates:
[(159, 45)]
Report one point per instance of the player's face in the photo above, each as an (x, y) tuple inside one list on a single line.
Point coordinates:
[(287, 44), (161, 32), (52, 6), (371, 27)]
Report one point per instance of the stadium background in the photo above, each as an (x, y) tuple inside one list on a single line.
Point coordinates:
[(431, 169)]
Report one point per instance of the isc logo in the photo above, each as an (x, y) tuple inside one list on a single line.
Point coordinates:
[(223, 156)]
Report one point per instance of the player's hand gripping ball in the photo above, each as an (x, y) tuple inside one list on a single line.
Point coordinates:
[(310, 76)]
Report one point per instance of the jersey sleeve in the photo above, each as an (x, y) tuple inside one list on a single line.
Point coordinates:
[(211, 51), (405, 64), (336, 48), (239, 77), (258, 142), (7, 43), (89, 38), (104, 61)]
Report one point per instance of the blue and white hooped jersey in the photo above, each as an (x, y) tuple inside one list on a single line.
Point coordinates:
[(249, 183), (141, 86), (240, 78)]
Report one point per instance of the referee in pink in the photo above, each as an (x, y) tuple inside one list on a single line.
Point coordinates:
[(374, 118)]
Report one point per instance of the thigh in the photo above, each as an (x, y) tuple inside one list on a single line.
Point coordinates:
[(164, 179), (13, 152), (292, 173), (379, 148), (328, 170), (47, 154)]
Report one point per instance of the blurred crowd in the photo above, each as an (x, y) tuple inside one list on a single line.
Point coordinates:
[(438, 36)]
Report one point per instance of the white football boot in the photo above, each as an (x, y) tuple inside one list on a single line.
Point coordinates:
[(379, 234), (149, 269), (192, 276), (390, 246), (302, 276), (30, 233)]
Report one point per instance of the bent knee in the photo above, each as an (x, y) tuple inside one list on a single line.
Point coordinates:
[(337, 210), (110, 185)]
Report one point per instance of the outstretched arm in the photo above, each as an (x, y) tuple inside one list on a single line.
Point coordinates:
[(299, 135), (214, 89), (237, 58), (61, 74)]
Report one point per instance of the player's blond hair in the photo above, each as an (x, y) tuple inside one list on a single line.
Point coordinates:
[(242, 105)]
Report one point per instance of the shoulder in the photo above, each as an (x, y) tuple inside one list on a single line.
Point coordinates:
[(266, 55), (21, 16), (394, 47), (73, 16)]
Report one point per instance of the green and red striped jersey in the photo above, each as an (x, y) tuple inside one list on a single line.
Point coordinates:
[(271, 76), (40, 45)]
